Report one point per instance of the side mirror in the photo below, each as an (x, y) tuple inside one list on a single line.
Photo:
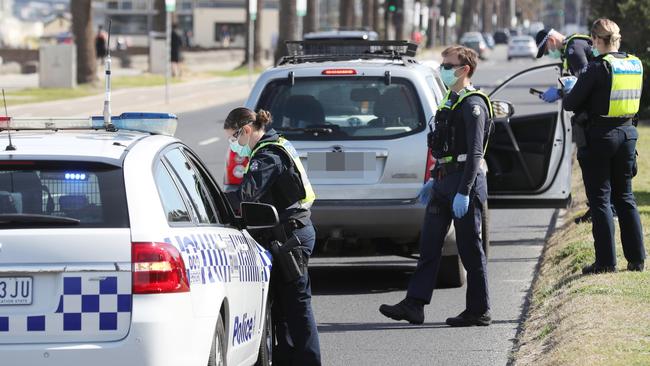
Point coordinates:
[(259, 215), (502, 109)]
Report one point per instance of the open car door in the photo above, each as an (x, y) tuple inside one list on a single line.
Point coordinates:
[(529, 155)]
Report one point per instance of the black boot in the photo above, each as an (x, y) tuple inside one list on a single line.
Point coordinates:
[(596, 269), (635, 267), (409, 309), (586, 217), (466, 319)]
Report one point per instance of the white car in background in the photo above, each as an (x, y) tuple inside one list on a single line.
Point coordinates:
[(522, 47), (118, 248)]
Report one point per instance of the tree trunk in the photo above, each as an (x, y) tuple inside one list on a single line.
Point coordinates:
[(398, 20), (444, 13), (159, 22), (487, 10), (258, 51), (346, 14), (248, 34), (454, 9), (82, 28), (433, 22), (376, 19), (311, 19), (288, 27), (367, 19), (466, 17)]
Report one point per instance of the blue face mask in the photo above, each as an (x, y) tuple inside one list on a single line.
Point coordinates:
[(242, 150), (595, 51), (554, 54), (448, 77)]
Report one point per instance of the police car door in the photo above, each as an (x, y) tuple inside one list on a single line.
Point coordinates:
[(218, 257), (529, 155)]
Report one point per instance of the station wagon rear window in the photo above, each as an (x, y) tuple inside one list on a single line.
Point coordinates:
[(44, 194), (343, 108)]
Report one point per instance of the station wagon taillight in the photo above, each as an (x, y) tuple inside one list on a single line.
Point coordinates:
[(158, 268), (334, 72), (430, 164)]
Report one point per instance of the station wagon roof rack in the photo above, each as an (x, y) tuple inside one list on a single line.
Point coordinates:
[(342, 50)]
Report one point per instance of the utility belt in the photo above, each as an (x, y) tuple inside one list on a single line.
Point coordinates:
[(287, 251), (448, 165), (611, 122), (581, 123)]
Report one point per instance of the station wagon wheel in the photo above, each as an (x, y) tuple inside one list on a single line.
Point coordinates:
[(265, 355), (218, 350)]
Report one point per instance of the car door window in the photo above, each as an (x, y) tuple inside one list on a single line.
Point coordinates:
[(220, 203), (193, 186), (175, 208)]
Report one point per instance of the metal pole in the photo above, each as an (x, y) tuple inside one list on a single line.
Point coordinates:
[(168, 66), (251, 42)]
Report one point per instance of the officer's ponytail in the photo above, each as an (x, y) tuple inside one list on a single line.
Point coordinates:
[(608, 31), (240, 117)]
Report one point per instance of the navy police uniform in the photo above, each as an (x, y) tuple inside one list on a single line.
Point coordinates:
[(274, 178), (458, 143), (576, 54), (609, 92)]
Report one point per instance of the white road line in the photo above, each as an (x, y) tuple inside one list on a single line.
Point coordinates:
[(209, 141)]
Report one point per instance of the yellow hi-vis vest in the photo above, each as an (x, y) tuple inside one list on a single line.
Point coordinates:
[(565, 56), (287, 147), (627, 82)]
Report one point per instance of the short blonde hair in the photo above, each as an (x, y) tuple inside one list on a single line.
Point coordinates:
[(466, 56), (608, 31)]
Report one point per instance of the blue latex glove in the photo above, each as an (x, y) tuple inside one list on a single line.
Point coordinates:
[(569, 82), (461, 205), (551, 95), (425, 192)]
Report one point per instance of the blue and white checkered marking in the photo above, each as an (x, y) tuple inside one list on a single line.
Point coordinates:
[(89, 304)]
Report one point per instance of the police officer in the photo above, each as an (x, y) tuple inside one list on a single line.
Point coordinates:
[(459, 190), (610, 91), (574, 51), (276, 176)]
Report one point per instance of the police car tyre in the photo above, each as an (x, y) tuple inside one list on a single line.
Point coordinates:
[(265, 355), (219, 347), (452, 272)]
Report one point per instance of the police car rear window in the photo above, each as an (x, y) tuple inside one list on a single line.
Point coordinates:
[(343, 108), (44, 194)]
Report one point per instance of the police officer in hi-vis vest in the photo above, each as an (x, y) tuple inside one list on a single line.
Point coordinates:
[(456, 193), (574, 51), (609, 90), (276, 176)]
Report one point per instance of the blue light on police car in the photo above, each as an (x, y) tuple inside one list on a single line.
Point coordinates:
[(75, 176), (156, 123)]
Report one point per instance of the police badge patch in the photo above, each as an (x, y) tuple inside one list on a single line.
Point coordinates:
[(476, 111)]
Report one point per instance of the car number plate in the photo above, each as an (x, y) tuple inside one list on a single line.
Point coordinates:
[(16, 290)]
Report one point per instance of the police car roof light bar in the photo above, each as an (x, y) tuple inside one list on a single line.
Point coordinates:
[(154, 123), (108, 125), (11, 146), (341, 50)]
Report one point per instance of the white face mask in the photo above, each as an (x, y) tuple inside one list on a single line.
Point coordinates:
[(244, 151)]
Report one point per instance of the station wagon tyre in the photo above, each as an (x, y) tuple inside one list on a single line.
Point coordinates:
[(265, 355), (452, 272), (218, 350)]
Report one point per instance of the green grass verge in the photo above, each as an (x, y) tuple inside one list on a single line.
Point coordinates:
[(589, 320)]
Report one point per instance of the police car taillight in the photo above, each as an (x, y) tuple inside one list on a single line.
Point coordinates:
[(343, 72), (430, 163), (158, 268)]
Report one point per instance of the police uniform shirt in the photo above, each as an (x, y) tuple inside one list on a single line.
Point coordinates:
[(578, 55), (592, 90), (474, 115)]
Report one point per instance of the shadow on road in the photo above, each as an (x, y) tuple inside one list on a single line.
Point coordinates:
[(367, 279), (356, 327)]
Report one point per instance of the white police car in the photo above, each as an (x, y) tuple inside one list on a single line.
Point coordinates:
[(118, 248)]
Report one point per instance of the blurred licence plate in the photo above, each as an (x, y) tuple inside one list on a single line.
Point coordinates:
[(15, 290), (341, 164)]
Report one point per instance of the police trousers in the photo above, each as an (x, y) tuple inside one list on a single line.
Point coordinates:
[(608, 163), (437, 221), (293, 319)]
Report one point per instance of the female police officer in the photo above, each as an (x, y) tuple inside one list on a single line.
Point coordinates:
[(610, 90), (276, 176)]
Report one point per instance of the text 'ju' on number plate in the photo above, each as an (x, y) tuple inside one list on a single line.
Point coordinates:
[(16, 290)]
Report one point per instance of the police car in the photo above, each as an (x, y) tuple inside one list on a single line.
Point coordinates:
[(117, 247)]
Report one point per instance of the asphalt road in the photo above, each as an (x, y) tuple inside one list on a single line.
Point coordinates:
[(349, 290)]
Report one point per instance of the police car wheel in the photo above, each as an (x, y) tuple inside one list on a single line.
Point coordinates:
[(265, 355), (218, 350)]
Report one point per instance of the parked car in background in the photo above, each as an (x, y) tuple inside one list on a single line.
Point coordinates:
[(501, 36), (522, 46), (489, 40), (475, 41)]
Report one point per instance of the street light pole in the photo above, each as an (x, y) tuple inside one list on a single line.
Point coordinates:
[(252, 14), (170, 6)]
